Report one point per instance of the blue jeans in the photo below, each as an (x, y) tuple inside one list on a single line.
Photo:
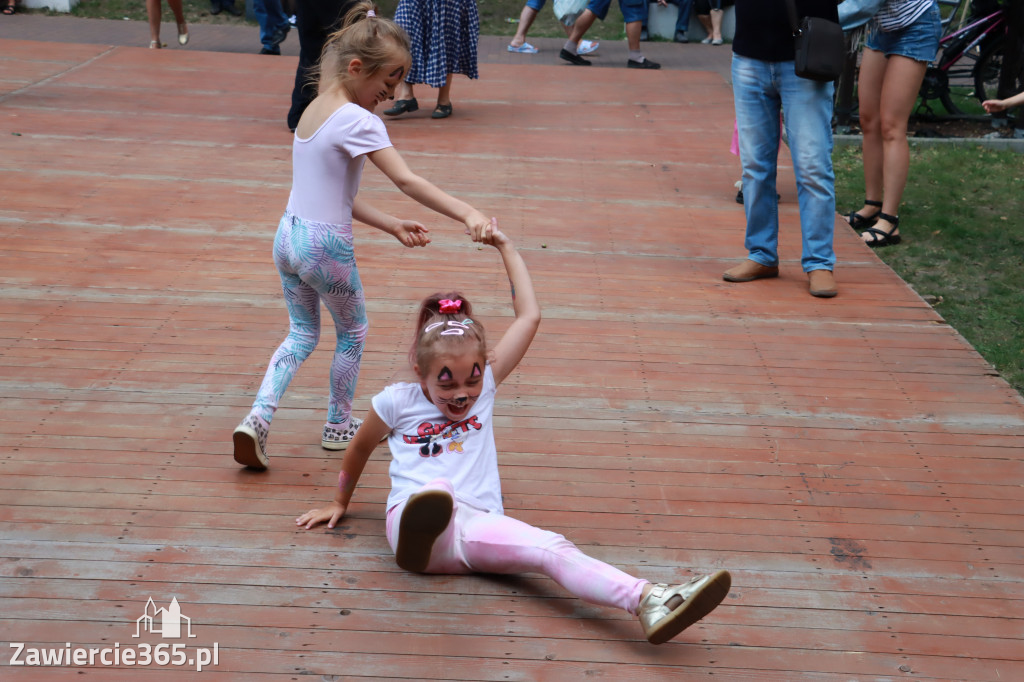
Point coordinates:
[(272, 20), (682, 19), (762, 90)]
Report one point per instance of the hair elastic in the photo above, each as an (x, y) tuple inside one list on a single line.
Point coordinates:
[(370, 13), (449, 307)]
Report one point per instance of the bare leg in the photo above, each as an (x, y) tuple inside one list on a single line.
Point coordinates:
[(179, 17), (633, 29), (896, 96), (153, 14), (444, 93), (404, 91), (525, 22), (903, 79), (869, 91), (179, 12), (705, 22), (583, 24), (716, 24)]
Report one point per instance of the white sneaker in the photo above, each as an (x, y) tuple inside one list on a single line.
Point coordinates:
[(338, 439), (587, 46), (250, 441)]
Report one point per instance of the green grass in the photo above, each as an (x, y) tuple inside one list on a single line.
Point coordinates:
[(962, 222)]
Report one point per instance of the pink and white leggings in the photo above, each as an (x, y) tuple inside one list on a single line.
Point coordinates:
[(476, 541)]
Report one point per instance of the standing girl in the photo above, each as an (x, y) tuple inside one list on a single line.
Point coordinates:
[(903, 38), (444, 511), (313, 250)]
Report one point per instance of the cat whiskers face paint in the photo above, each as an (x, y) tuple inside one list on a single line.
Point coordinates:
[(455, 385)]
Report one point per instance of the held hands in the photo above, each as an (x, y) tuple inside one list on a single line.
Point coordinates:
[(332, 513), (488, 233), (476, 222), (411, 233)]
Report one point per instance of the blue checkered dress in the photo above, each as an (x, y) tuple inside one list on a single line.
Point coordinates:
[(444, 36)]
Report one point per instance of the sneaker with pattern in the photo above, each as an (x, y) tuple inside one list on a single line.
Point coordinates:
[(337, 437), (250, 439)]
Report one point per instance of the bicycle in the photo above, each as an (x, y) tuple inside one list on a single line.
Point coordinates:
[(966, 70)]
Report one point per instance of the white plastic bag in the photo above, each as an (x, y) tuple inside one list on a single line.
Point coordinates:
[(566, 11)]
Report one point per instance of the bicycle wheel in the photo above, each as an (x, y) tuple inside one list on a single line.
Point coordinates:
[(950, 78), (988, 68)]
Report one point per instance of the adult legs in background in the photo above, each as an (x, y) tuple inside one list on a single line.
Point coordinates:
[(153, 14), (807, 114), (887, 91), (758, 104), (526, 17), (273, 23), (681, 34), (315, 20)]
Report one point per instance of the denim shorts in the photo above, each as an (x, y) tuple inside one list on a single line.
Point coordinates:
[(536, 4), (919, 41), (632, 10)]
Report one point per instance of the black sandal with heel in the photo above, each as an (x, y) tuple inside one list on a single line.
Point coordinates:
[(860, 222), (881, 237)]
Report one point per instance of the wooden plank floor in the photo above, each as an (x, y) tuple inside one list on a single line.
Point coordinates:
[(853, 462)]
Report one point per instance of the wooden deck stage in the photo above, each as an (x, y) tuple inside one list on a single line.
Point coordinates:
[(853, 462)]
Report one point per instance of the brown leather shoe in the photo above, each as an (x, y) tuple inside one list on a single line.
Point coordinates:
[(749, 270), (822, 283)]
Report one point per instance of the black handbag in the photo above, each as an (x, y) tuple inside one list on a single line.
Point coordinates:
[(820, 49)]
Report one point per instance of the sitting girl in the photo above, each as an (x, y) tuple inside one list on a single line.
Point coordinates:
[(444, 512)]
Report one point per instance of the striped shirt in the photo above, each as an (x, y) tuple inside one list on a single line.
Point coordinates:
[(897, 14)]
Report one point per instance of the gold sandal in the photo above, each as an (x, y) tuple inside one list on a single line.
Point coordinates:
[(697, 598)]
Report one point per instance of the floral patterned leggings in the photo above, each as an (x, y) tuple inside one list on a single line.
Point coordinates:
[(476, 541), (316, 261)]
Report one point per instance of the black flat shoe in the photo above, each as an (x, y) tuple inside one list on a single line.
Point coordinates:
[(645, 64), (442, 111), (402, 106), (573, 58)]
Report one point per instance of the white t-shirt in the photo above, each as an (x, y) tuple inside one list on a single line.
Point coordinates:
[(327, 166), (426, 445)]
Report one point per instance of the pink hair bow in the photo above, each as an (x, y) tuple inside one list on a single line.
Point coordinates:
[(450, 307)]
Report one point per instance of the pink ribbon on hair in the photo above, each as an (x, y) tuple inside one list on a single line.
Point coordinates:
[(450, 307)]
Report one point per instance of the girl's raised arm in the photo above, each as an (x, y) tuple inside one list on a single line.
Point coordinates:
[(391, 163), (512, 347), (370, 433)]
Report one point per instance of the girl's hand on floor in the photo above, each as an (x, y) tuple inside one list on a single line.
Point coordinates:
[(411, 233), (332, 513)]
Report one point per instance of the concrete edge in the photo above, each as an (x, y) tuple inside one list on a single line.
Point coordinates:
[(1014, 145)]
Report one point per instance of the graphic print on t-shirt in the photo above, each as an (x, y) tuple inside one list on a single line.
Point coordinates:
[(428, 435)]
